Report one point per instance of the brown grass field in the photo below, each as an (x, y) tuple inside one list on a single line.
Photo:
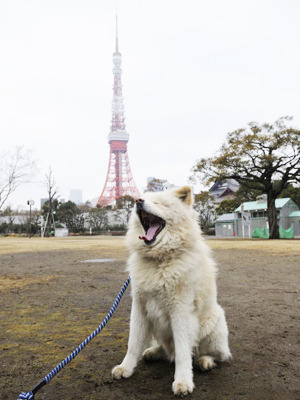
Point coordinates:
[(9, 245), (51, 299)]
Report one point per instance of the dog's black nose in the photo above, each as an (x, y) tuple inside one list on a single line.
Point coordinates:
[(139, 203)]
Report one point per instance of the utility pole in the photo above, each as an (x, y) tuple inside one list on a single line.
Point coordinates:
[(30, 203)]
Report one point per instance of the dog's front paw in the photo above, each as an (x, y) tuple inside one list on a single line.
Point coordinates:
[(182, 387), (119, 372)]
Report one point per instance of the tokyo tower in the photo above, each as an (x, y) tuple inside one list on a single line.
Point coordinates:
[(119, 181)]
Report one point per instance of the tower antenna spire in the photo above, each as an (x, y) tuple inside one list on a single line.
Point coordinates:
[(117, 40)]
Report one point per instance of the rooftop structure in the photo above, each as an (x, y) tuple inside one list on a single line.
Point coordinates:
[(224, 190), (262, 205)]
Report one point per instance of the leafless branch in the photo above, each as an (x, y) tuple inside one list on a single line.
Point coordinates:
[(16, 167)]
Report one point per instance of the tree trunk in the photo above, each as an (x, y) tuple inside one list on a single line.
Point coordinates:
[(272, 217)]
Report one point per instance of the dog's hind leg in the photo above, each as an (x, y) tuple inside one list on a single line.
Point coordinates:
[(206, 363), (161, 349), (219, 340), (214, 345), (154, 353)]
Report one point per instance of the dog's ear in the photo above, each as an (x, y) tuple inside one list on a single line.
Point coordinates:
[(185, 195)]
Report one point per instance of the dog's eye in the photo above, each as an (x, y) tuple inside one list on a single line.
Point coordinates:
[(160, 204)]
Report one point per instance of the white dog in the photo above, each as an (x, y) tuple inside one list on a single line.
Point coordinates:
[(175, 314)]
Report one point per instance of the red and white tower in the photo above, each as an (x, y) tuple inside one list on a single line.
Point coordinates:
[(119, 180)]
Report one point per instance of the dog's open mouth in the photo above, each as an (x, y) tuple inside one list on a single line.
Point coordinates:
[(152, 224)]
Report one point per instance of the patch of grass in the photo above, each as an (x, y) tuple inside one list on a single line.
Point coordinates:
[(271, 246), (11, 282), (11, 245), (52, 336)]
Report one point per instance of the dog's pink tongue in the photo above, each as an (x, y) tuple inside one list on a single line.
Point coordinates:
[(150, 233)]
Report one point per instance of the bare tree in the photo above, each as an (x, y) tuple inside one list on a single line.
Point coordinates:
[(52, 196), (16, 167)]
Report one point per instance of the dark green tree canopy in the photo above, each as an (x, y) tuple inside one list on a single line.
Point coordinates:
[(125, 201), (70, 214), (98, 218), (46, 208)]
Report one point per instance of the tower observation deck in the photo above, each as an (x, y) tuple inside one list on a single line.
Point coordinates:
[(119, 180)]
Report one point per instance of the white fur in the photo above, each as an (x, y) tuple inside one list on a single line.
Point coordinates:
[(174, 296)]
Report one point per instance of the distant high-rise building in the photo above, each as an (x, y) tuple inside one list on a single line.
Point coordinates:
[(76, 196), (119, 180)]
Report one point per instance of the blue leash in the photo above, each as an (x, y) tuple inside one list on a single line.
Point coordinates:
[(30, 395)]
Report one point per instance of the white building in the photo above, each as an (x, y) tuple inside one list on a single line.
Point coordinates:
[(288, 215)]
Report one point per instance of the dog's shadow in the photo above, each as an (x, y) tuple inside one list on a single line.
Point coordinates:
[(153, 380)]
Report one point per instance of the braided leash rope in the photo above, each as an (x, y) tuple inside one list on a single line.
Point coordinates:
[(30, 395)]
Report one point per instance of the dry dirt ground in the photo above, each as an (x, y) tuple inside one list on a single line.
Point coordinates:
[(51, 299)]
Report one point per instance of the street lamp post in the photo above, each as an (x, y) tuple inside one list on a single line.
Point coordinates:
[(30, 203)]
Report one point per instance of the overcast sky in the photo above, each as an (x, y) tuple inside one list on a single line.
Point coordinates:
[(193, 71)]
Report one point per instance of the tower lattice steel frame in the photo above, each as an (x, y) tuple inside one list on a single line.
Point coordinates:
[(119, 180)]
